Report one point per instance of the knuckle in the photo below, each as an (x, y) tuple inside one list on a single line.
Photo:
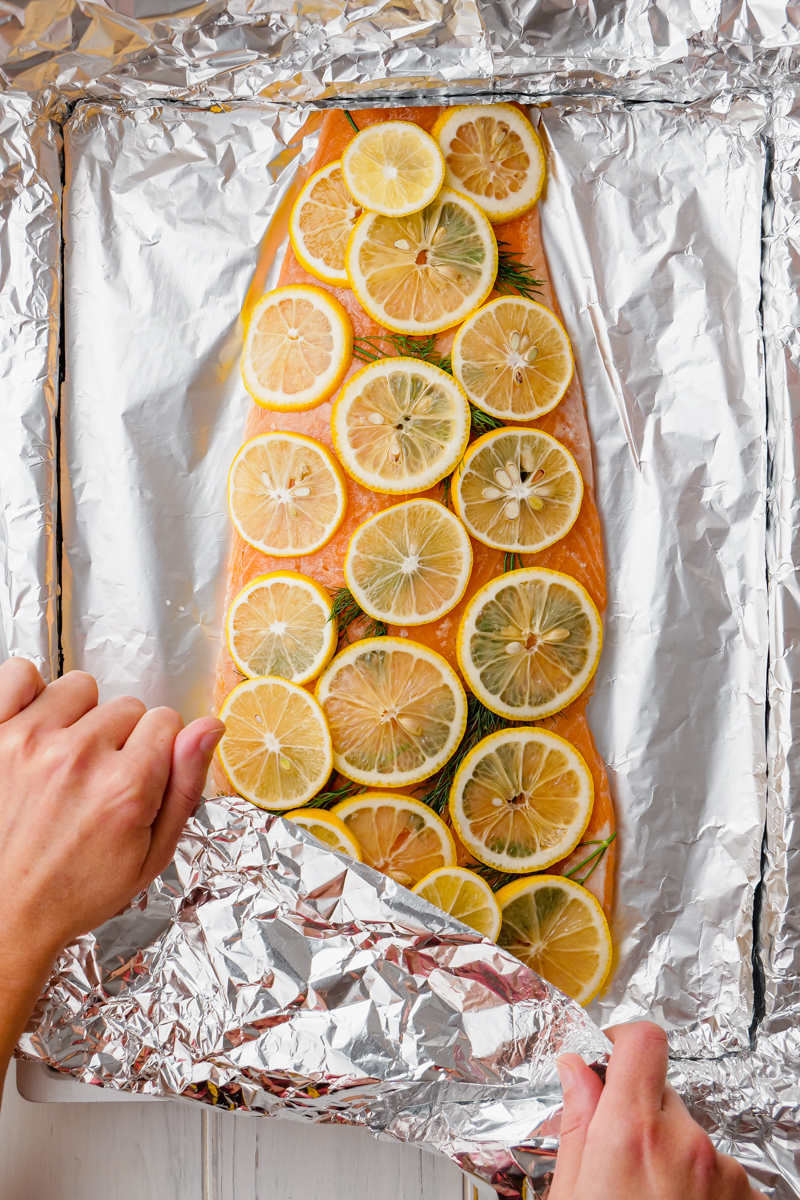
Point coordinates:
[(704, 1160), (651, 1035)]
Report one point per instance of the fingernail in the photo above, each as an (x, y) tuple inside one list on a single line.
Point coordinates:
[(210, 740), (566, 1075)]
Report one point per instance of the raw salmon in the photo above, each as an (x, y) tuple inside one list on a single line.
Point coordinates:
[(579, 554)]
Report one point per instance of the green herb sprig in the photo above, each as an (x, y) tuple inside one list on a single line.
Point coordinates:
[(480, 723), (332, 795), (512, 562), (595, 858), (370, 349), (346, 611), (495, 879), (514, 275)]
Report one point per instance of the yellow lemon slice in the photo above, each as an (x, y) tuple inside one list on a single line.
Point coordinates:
[(529, 642), (394, 168), (518, 489), (398, 835), (276, 749), (521, 799), (400, 425), (557, 929), (321, 222), (423, 273), (395, 709), (409, 564), (297, 347), (513, 359), (465, 896), (327, 828), (493, 155), (286, 494), (280, 624)]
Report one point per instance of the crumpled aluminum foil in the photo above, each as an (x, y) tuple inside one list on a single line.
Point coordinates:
[(263, 971)]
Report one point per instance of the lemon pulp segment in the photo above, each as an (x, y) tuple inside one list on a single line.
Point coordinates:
[(286, 494), (529, 642), (464, 895), (518, 489), (557, 929), (395, 709), (400, 425), (321, 222), (398, 835), (513, 358), (521, 799), (426, 272), (409, 564), (276, 748), (297, 348), (280, 624)]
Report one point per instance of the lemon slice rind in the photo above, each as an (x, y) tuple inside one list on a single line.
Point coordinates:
[(513, 504), (445, 888), (423, 823), (425, 401), (327, 828), (328, 212), (578, 794), (276, 749), (298, 346), (354, 705), (401, 558), (263, 592), (580, 986), (393, 168), (569, 609)]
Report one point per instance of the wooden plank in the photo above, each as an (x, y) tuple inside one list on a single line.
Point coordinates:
[(99, 1151)]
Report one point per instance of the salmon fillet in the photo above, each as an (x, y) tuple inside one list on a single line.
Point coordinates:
[(579, 554)]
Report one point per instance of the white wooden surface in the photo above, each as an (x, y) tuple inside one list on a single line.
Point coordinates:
[(174, 1151)]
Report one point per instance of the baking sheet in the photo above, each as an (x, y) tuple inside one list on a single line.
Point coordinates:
[(30, 293)]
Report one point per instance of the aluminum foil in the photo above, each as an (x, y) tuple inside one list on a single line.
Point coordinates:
[(30, 248), (268, 973)]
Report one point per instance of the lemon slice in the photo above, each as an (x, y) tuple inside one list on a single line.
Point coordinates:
[(493, 155), (280, 624), (409, 564), (464, 895), (529, 642), (513, 359), (423, 273), (400, 425), (521, 799), (321, 222), (395, 709), (276, 749), (518, 489), (327, 828), (398, 835), (297, 348), (286, 494), (557, 929), (394, 168)]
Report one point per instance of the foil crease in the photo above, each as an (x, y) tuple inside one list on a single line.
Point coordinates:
[(265, 972), (30, 285)]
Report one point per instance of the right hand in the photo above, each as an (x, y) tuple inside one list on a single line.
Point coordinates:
[(633, 1138)]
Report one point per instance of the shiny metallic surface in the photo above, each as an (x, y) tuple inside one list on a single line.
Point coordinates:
[(265, 972), (30, 247)]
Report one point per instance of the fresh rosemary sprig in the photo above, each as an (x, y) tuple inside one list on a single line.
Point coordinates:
[(480, 723), (332, 795), (513, 275), (346, 610), (495, 879), (370, 349), (512, 562), (595, 858)]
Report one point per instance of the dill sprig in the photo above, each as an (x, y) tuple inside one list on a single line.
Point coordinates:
[(350, 119), (595, 858), (332, 795), (480, 723), (514, 275), (495, 879), (346, 611), (482, 422), (370, 349), (446, 486), (512, 562)]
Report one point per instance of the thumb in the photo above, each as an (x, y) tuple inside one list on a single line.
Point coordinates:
[(191, 758), (582, 1090)]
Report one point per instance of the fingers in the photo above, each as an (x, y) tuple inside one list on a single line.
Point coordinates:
[(637, 1069), (64, 701), (582, 1090), (147, 756), (191, 758), (20, 684), (112, 722)]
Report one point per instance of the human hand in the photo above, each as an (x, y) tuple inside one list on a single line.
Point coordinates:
[(634, 1138), (93, 799)]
